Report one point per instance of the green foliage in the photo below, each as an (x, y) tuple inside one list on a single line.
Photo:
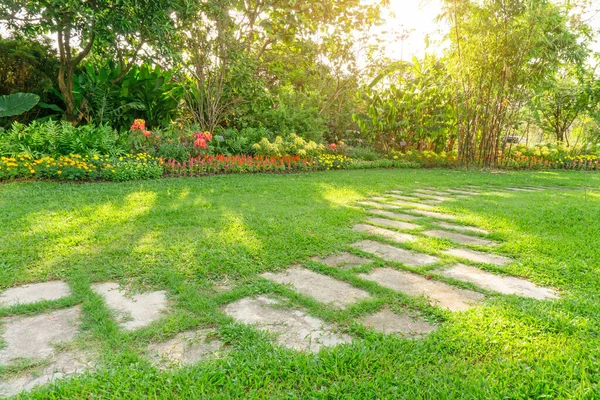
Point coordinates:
[(17, 103), (238, 141), (364, 153), (289, 145), (59, 138)]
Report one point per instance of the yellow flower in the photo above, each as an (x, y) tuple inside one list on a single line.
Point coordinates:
[(59, 172)]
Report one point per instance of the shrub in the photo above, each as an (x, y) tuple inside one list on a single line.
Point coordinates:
[(236, 164), (364, 153), (291, 145), (333, 161)]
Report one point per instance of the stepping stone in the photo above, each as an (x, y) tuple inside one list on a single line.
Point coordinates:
[(393, 224), (460, 238), (320, 287), (407, 198), (438, 198), (389, 214), (462, 228), (376, 205), (185, 349), (514, 189), (498, 283), (400, 203), (387, 322), (34, 293), (436, 192), (379, 198), (433, 214), (478, 256), (440, 293), (62, 365), (464, 192), (135, 311), (395, 254), (35, 337), (294, 328), (344, 260), (397, 237)]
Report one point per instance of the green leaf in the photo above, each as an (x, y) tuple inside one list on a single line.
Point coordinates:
[(18, 103)]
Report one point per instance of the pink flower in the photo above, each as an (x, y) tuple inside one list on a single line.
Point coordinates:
[(147, 133), (333, 146), (200, 143)]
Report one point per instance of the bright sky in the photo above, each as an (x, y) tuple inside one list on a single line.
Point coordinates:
[(417, 16)]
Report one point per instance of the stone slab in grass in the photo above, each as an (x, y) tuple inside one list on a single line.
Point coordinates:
[(463, 192), (393, 224), (378, 198), (185, 348), (498, 283), (61, 366), (34, 293), (463, 228), (390, 214), (410, 204), (439, 293), (344, 260), (395, 254), (377, 205), (36, 337), (478, 256), (519, 189), (387, 322), (460, 238), (405, 197), (397, 237), (435, 197), (433, 214), (133, 311), (294, 328), (320, 287)]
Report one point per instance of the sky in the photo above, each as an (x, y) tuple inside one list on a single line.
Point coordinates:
[(417, 17)]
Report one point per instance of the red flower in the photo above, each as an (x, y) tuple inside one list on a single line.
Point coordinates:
[(146, 133), (333, 146), (138, 125), (200, 143)]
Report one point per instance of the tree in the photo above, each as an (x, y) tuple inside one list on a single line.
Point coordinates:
[(119, 29)]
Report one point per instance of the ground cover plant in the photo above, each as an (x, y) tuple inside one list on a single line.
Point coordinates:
[(205, 241)]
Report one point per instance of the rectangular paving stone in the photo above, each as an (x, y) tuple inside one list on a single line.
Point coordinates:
[(439, 293), (478, 256), (344, 260), (397, 237), (34, 293), (436, 197), (395, 254), (498, 283), (460, 238), (433, 214), (185, 348), (36, 337), (517, 189), (463, 228), (395, 215), (294, 328), (388, 322), (133, 311), (393, 224), (405, 197), (463, 192), (401, 203), (320, 287), (377, 205)]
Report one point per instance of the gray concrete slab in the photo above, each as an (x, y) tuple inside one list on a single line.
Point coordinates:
[(61, 366), (393, 224), (322, 288), (397, 237), (410, 204), (498, 283), (185, 348), (395, 254), (343, 260), (462, 228), (432, 214), (435, 197), (388, 322), (394, 215), (377, 205), (133, 311), (463, 192), (478, 256), (33, 293), (294, 328), (439, 293), (460, 238), (36, 337)]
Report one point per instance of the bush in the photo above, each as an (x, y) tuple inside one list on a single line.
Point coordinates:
[(364, 153), (233, 141), (53, 138), (291, 145)]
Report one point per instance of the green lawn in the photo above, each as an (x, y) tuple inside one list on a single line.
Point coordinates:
[(188, 235)]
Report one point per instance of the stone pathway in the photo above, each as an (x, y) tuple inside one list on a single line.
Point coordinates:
[(400, 203), (387, 322), (498, 283), (397, 237), (432, 214), (459, 238), (463, 228), (395, 254), (135, 311), (394, 215), (344, 260), (28, 294), (320, 287), (185, 348), (442, 294), (393, 224), (478, 256), (293, 328)]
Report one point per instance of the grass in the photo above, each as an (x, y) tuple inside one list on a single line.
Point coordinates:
[(188, 235)]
